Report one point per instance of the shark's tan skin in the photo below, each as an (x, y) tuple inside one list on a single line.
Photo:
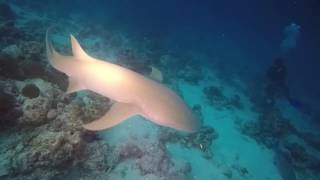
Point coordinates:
[(133, 93)]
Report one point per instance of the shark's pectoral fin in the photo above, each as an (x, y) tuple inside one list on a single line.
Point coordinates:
[(118, 113), (74, 86)]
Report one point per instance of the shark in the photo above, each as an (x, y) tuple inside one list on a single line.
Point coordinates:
[(132, 93)]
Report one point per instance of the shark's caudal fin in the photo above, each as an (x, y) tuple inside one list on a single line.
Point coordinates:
[(56, 60), (118, 113)]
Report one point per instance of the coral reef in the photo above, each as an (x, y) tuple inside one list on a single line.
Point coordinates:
[(272, 130), (301, 158), (11, 51), (48, 150), (95, 106), (9, 34), (35, 111), (215, 97), (202, 140), (152, 160), (96, 160), (269, 128), (129, 151), (298, 158), (32, 50), (16, 69), (50, 132)]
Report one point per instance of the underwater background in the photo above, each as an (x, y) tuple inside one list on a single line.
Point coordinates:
[(249, 70)]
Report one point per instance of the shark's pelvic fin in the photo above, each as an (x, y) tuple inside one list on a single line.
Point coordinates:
[(78, 51), (118, 113), (74, 86), (156, 74)]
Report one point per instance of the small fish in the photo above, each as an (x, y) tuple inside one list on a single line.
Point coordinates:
[(133, 93), (201, 146)]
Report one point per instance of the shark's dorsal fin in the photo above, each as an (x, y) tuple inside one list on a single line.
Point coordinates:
[(156, 74), (74, 86), (77, 50), (118, 113)]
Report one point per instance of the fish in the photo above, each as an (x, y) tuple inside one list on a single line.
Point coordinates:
[(132, 93)]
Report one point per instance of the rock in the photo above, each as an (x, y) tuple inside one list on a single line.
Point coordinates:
[(269, 128), (52, 114), (9, 112), (129, 151), (33, 70), (32, 50), (9, 34), (90, 136), (30, 91), (12, 51), (95, 158), (47, 149), (298, 154), (95, 106), (284, 164), (154, 160), (35, 111), (215, 97), (69, 118), (10, 70), (7, 101), (201, 140), (4, 165)]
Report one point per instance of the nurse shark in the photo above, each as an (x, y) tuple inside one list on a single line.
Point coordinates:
[(132, 93)]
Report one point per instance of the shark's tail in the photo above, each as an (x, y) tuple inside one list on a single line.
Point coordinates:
[(55, 59)]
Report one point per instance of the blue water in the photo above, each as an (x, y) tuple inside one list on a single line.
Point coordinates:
[(259, 117)]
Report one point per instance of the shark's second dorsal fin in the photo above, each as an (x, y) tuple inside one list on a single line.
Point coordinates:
[(118, 113), (156, 74), (78, 51)]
